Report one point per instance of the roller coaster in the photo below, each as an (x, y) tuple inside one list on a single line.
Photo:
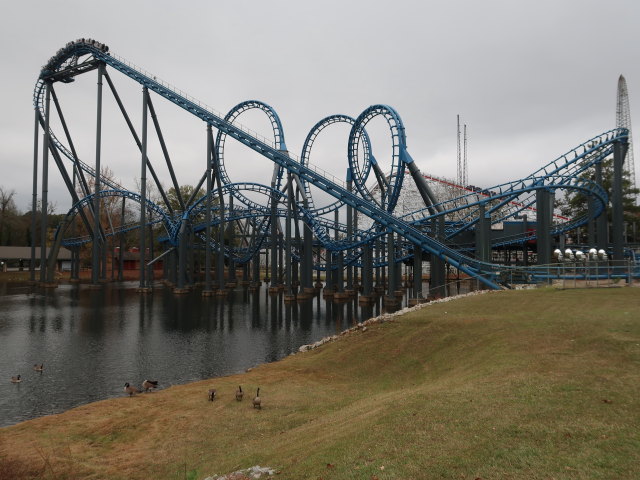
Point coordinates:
[(235, 224)]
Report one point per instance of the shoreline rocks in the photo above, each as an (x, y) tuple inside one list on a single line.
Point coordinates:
[(385, 317), (252, 472)]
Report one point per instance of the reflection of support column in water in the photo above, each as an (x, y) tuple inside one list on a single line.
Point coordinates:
[(544, 212), (143, 196), (619, 152)]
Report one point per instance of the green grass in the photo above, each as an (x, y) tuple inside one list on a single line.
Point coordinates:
[(534, 384)]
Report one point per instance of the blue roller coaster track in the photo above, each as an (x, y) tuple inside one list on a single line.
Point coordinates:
[(367, 189)]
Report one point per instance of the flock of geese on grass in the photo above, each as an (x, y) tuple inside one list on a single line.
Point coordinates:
[(149, 385)]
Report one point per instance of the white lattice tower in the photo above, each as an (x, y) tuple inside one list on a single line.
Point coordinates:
[(623, 120)]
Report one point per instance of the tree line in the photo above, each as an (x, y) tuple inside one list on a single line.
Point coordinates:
[(15, 226), (576, 204)]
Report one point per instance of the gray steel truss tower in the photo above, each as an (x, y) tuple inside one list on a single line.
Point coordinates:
[(461, 178), (623, 120)]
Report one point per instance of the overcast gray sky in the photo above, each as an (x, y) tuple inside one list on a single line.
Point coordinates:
[(530, 79)]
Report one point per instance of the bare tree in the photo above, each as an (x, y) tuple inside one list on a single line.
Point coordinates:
[(7, 205)]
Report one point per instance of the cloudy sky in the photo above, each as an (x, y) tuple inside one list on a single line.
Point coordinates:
[(530, 79)]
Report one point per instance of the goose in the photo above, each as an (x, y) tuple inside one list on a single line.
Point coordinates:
[(131, 390), (256, 401), (16, 379), (38, 368), (239, 393), (149, 385), (212, 394)]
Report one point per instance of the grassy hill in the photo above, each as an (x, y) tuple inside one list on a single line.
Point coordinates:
[(534, 384)]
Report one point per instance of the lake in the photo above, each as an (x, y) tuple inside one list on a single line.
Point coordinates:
[(92, 341)]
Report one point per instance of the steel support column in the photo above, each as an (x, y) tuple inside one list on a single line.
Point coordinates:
[(339, 272), (34, 197), (96, 245), (602, 228), (307, 277), (617, 220), (287, 228), (45, 188), (591, 225), (183, 238), (231, 276), (221, 223), (544, 213), (207, 246), (256, 268), (367, 270), (391, 254), (274, 239), (122, 245), (349, 230), (417, 271), (483, 241), (437, 279), (143, 187)]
